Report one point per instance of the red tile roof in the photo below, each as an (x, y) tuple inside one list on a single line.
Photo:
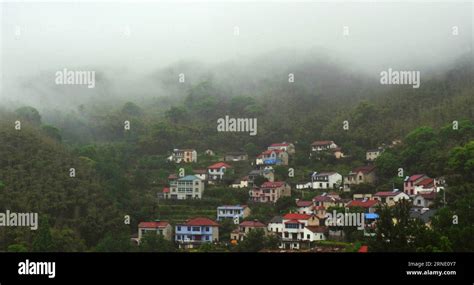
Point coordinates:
[(387, 193), (363, 204), (279, 144), (166, 190), (304, 203), (296, 216), (153, 225), (268, 152), (364, 169), (415, 177), (252, 224), (270, 184), (426, 182), (428, 196), (321, 143), (201, 222), (219, 165), (317, 229), (326, 198)]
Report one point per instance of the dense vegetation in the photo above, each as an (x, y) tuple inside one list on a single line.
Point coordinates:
[(119, 172)]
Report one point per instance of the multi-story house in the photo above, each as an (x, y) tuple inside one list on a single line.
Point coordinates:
[(232, 212), (270, 192), (272, 157), (421, 183), (390, 197), (217, 171), (326, 180), (359, 175), (187, 187), (294, 229), (287, 147), (162, 228), (195, 232), (245, 227), (183, 155)]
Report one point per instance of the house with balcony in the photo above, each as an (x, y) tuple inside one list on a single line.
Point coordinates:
[(284, 146), (363, 174), (421, 183), (246, 227), (270, 192), (294, 225), (232, 212), (217, 171), (157, 227), (187, 187), (195, 232), (183, 155)]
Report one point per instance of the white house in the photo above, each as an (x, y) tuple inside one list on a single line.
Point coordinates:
[(314, 233), (326, 180), (323, 145)]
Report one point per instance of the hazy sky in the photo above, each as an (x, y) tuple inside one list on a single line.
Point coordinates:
[(147, 36)]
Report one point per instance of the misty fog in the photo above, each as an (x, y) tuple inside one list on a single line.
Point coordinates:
[(138, 49)]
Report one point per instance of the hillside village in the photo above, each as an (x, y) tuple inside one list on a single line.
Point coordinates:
[(301, 221)]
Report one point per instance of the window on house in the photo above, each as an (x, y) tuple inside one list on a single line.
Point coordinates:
[(179, 228)]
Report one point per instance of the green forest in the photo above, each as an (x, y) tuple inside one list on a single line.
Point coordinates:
[(119, 172)]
